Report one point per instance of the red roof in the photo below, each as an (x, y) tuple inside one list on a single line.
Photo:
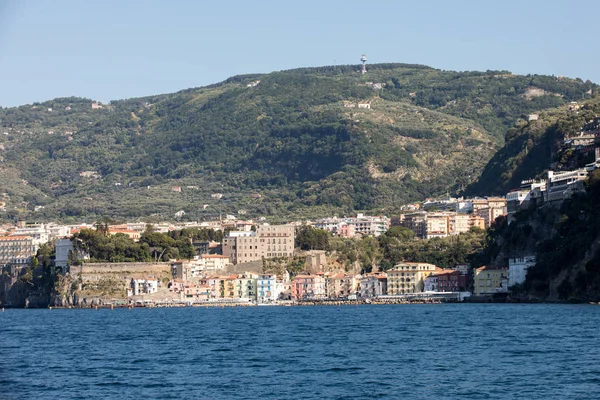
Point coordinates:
[(14, 237)]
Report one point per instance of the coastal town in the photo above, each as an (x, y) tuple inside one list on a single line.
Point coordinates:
[(248, 265)]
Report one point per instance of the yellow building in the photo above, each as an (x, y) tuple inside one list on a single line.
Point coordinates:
[(438, 225), (459, 223), (227, 287), (133, 235), (409, 277), (490, 280)]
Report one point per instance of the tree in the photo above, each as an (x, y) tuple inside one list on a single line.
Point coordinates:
[(310, 238), (401, 233)]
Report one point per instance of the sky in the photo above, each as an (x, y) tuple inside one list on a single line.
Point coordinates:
[(114, 49)]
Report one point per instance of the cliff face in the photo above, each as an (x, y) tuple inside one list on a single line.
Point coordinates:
[(566, 241), (26, 288)]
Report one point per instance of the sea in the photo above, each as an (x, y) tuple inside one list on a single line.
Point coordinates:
[(420, 351)]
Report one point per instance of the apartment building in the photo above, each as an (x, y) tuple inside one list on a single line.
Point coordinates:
[(562, 185), (361, 224), (530, 193), (409, 277), (488, 281), (458, 223), (517, 269), (340, 286), (269, 241), (441, 224), (16, 250), (308, 287), (268, 289), (416, 222), (437, 225), (373, 286)]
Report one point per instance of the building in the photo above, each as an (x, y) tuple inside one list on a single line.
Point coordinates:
[(451, 281), (497, 206), (562, 185), (346, 230), (269, 241), (531, 193), (214, 262), (462, 268), (416, 222), (409, 277), (430, 283), (37, 232), (437, 225), (182, 270), (16, 250), (245, 286), (476, 221), (367, 225), (133, 235), (340, 286), (373, 286), (361, 224), (488, 281), (227, 287), (517, 269), (143, 286), (458, 223), (308, 287), (63, 248), (241, 246), (464, 206), (267, 288)]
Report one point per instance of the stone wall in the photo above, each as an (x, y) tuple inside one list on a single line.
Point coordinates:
[(122, 272), (103, 268), (253, 266)]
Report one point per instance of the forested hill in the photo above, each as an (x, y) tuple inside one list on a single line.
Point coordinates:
[(309, 141)]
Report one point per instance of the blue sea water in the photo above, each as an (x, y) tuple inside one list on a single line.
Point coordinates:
[(437, 351)]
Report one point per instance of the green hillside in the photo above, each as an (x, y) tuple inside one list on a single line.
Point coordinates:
[(532, 147), (297, 138)]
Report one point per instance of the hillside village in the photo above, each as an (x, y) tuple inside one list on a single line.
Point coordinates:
[(249, 265), (233, 260)]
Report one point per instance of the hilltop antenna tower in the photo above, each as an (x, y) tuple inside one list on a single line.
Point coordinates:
[(363, 58)]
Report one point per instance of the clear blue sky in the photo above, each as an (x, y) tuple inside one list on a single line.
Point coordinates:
[(113, 49)]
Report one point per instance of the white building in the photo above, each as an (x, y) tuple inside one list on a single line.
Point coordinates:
[(143, 286), (267, 288), (561, 185), (464, 206), (430, 284), (63, 247), (373, 286), (37, 232), (363, 224), (517, 269)]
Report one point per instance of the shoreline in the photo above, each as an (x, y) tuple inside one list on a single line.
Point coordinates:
[(288, 304)]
